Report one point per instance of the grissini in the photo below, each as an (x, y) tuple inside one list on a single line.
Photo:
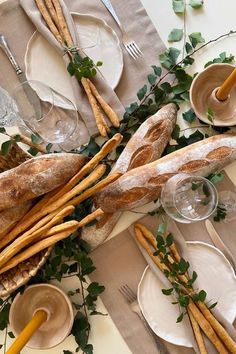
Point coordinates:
[(146, 145), (143, 184), (37, 176)]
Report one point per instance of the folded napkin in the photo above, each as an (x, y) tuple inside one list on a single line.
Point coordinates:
[(87, 124), (152, 223)]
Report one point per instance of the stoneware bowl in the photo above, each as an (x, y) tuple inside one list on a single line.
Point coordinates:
[(202, 95), (59, 310)]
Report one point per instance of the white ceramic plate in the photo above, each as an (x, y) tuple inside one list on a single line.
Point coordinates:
[(161, 315), (98, 41)]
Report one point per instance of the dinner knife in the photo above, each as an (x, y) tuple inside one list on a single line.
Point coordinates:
[(217, 241), (30, 93)]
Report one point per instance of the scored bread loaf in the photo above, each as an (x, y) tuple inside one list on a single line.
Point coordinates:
[(37, 176), (143, 184), (9, 217), (146, 145)]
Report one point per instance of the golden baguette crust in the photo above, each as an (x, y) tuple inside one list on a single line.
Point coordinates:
[(37, 176), (146, 145), (9, 217), (143, 184)]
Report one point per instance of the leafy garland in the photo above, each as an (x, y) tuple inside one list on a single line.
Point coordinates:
[(167, 83)]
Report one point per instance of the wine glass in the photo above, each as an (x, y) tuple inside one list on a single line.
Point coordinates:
[(187, 198), (227, 204), (8, 116), (48, 113)]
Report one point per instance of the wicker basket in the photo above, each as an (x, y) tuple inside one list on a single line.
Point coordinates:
[(18, 276)]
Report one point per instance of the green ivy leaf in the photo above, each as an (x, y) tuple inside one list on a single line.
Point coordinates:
[(178, 6), (71, 68), (11, 335), (189, 116), (48, 147), (142, 92), (196, 4), (196, 38), (33, 151), (152, 79), (193, 279), (176, 132), (216, 177), (35, 139), (175, 35), (202, 295), (212, 306), (99, 63), (157, 70), (67, 352), (2, 130), (94, 289), (210, 114), (188, 48), (167, 291), (180, 318), (6, 147)]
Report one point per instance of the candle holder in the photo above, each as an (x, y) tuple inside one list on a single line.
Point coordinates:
[(59, 312), (203, 96)]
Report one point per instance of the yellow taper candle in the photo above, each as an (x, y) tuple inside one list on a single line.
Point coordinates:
[(37, 320), (226, 87)]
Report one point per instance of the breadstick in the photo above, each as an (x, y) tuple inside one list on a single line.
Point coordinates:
[(27, 141), (105, 106), (90, 217), (197, 333), (85, 183), (95, 108), (95, 189), (30, 237), (105, 150), (62, 24), (36, 248), (211, 320), (221, 332), (45, 14)]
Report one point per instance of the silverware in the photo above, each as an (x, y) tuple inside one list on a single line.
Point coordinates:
[(217, 241), (130, 45), (30, 93), (131, 298)]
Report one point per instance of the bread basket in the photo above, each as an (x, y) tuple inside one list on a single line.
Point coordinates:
[(18, 276)]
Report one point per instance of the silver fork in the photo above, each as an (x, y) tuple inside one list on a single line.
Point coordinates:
[(130, 45), (131, 298)]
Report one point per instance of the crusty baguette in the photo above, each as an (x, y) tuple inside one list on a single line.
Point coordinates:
[(37, 176), (146, 145), (143, 184), (9, 217)]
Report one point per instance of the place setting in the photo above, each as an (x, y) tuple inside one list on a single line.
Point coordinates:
[(100, 122)]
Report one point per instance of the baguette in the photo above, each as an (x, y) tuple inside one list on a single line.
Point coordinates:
[(143, 184), (37, 176), (146, 145), (9, 217)]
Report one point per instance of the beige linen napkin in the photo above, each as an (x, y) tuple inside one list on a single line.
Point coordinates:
[(105, 90)]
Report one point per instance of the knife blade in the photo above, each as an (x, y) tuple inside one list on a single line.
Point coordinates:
[(217, 241), (30, 93)]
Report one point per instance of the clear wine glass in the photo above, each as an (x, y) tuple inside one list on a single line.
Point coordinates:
[(227, 203), (8, 116), (187, 198), (50, 114)]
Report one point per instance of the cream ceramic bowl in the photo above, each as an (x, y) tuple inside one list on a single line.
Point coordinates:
[(202, 96), (58, 307)]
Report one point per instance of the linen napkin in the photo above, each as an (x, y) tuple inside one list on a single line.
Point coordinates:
[(88, 122), (152, 223)]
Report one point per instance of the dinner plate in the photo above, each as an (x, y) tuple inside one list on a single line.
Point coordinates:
[(98, 41), (215, 276)]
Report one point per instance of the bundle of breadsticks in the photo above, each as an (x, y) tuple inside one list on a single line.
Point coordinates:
[(201, 317), (52, 14), (43, 225)]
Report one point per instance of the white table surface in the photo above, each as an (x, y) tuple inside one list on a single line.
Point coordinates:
[(216, 17)]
